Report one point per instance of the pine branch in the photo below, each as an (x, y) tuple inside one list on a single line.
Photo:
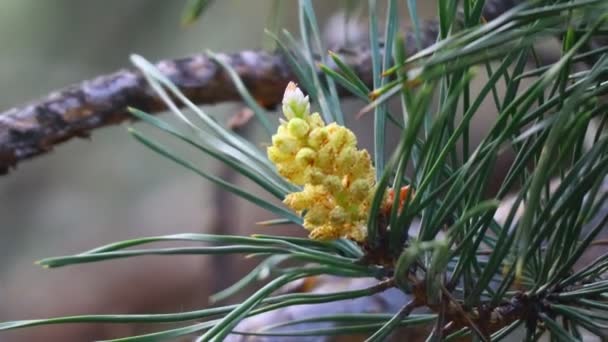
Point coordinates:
[(75, 111), (488, 318)]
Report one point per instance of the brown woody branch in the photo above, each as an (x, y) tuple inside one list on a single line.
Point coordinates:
[(75, 111), (34, 129)]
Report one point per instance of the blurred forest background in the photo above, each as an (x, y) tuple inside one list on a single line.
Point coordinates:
[(88, 193)]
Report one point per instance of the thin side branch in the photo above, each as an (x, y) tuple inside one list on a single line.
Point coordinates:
[(455, 305)]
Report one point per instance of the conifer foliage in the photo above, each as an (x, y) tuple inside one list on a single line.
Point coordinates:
[(415, 217)]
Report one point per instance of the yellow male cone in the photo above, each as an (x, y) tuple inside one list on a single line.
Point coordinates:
[(338, 178)]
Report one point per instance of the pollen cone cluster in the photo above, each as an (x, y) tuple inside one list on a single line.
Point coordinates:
[(338, 179)]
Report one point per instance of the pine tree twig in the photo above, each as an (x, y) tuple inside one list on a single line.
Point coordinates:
[(75, 111), (454, 305), (484, 318)]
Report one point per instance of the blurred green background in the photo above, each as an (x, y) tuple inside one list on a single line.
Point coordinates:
[(109, 188)]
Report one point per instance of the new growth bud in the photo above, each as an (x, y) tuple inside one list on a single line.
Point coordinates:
[(295, 104), (338, 179)]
